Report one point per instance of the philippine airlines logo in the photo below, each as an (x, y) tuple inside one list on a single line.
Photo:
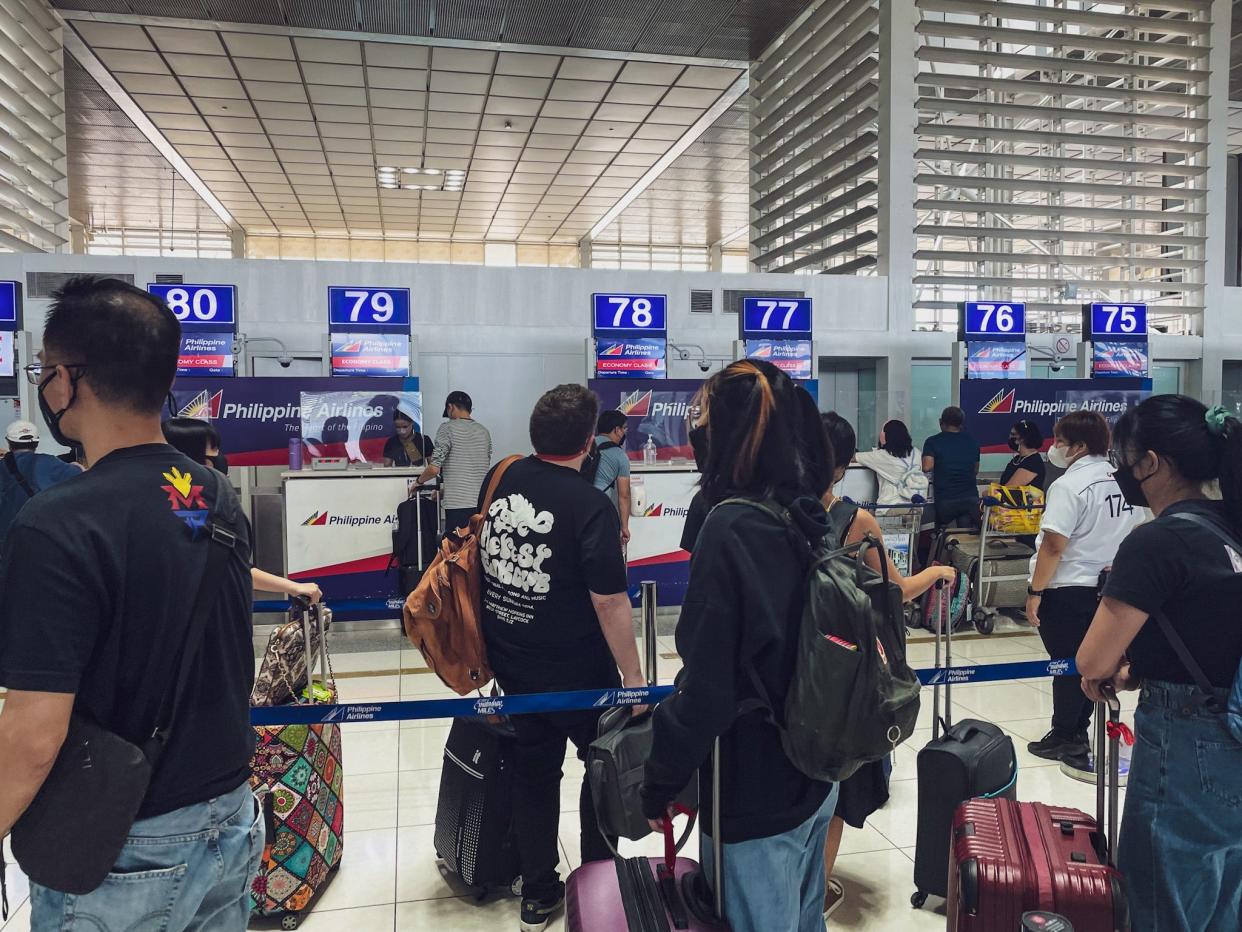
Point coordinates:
[(318, 519), (762, 352), (1001, 403), (351, 347), (654, 511), (636, 404), (205, 406), (617, 349)]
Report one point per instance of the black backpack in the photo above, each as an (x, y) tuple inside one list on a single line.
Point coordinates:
[(853, 697), (590, 465)]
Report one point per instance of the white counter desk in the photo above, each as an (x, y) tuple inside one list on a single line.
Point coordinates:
[(338, 529)]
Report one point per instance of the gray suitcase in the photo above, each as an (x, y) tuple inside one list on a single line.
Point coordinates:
[(1005, 557)]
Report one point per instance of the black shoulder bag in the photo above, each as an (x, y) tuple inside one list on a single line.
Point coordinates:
[(55, 846), (11, 462)]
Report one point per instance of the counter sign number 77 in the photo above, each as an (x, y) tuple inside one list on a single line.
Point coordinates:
[(771, 307)]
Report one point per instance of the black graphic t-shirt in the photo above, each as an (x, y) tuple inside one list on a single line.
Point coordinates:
[(99, 577), (550, 539)]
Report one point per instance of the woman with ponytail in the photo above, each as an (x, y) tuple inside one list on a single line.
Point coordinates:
[(1170, 624), (739, 623)]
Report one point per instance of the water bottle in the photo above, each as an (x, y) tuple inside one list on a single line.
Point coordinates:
[(650, 454), (295, 454)]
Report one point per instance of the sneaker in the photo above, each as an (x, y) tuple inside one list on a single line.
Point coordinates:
[(833, 898), (536, 914), (1053, 746), (1082, 768)]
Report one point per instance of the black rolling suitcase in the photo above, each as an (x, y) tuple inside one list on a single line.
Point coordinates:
[(474, 812), (415, 538), (962, 761)]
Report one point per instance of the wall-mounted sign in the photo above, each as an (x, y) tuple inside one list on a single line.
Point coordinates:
[(359, 309), (8, 359), (200, 307), (10, 306), (370, 354), (1112, 359), (630, 312), (206, 354), (1115, 321), (794, 357), (775, 317), (993, 320), (629, 357)]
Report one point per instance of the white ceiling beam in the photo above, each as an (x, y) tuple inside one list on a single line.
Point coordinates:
[(103, 77), (687, 139), (296, 32)]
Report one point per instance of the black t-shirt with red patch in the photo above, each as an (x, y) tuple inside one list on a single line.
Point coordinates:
[(99, 577)]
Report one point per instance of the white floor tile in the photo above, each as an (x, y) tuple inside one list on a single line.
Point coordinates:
[(419, 876), (860, 841), (1001, 701), (422, 748), (419, 792), (19, 920), (362, 688), (897, 821), (877, 886), (462, 915), (980, 647), (362, 919), (365, 660), (367, 875), (368, 752), (371, 801)]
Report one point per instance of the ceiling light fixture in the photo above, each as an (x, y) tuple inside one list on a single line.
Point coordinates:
[(433, 179)]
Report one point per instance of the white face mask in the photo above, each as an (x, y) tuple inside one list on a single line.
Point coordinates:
[(1058, 457)]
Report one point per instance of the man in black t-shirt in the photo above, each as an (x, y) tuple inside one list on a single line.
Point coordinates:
[(556, 616), (99, 577)]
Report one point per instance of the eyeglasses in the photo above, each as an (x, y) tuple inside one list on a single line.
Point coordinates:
[(34, 371)]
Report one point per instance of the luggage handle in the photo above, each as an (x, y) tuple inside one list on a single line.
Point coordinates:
[(1108, 737), (315, 611), (943, 629)]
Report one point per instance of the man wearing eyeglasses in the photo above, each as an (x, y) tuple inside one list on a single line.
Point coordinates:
[(125, 640)]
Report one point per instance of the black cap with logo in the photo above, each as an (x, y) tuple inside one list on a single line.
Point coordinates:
[(460, 400)]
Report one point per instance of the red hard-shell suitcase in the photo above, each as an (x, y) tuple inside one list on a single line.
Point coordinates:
[(594, 901), (1008, 858)]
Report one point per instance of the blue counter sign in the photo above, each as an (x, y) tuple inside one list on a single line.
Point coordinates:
[(10, 298), (1118, 321), (360, 309), (200, 307), (776, 317), (994, 320), (630, 312)]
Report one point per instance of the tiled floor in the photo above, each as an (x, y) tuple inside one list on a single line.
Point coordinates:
[(389, 879)]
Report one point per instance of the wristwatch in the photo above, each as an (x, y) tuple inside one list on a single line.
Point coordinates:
[(1037, 592)]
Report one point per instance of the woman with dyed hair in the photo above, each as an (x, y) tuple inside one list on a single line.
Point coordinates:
[(740, 623)]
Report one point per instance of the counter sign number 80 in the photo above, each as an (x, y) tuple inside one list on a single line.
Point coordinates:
[(201, 302)]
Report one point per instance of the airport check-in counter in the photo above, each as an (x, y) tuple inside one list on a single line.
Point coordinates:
[(338, 527)]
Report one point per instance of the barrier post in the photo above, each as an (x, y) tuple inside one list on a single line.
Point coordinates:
[(651, 651)]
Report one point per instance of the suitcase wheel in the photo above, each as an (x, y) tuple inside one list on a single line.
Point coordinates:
[(985, 623), (917, 899), (516, 886), (289, 921)]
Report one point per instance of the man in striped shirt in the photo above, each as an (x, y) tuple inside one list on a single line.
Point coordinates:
[(463, 453)]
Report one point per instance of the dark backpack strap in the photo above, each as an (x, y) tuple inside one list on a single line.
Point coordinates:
[(11, 462), (1166, 626), (222, 544)]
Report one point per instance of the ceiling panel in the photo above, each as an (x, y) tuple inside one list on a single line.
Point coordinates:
[(737, 30), (293, 129)]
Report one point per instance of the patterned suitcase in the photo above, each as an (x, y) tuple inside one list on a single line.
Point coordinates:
[(299, 777)]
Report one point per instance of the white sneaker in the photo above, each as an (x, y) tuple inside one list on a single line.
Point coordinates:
[(834, 898)]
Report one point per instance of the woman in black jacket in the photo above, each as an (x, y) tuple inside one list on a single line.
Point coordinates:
[(740, 622)]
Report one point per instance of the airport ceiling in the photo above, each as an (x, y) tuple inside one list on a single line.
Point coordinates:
[(286, 129), (733, 29)]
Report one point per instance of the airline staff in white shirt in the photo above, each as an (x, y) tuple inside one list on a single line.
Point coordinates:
[(1085, 520)]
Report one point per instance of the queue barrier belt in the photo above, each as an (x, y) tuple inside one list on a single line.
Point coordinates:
[(535, 703)]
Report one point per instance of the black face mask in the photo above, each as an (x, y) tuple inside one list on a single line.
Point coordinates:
[(220, 463), (1013, 444), (698, 443), (1131, 488), (52, 418)]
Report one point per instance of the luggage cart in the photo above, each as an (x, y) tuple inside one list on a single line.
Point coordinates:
[(901, 526), (985, 617)]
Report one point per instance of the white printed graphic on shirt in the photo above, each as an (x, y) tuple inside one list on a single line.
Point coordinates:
[(508, 557), (1235, 559)]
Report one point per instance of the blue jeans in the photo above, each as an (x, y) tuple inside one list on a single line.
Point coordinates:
[(776, 884), (1181, 838), (189, 869)]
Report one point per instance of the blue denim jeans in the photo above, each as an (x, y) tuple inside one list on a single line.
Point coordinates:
[(189, 869), (776, 884), (1181, 837)]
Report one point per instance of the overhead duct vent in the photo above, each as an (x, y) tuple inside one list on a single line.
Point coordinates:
[(733, 299), (702, 301), (169, 279), (42, 284)]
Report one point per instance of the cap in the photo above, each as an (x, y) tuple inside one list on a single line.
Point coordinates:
[(460, 399), (22, 432)]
